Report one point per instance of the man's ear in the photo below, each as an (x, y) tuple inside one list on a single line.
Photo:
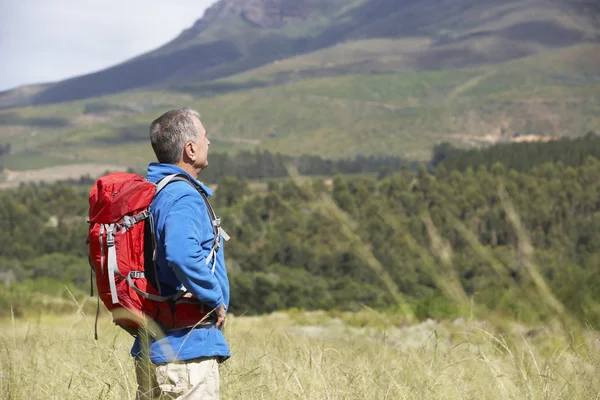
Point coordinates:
[(190, 151)]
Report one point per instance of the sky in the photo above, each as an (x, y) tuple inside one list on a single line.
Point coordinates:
[(49, 40)]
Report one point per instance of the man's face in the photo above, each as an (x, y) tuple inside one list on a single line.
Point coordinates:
[(202, 144)]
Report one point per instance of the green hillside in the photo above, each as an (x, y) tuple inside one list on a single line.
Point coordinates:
[(550, 95)]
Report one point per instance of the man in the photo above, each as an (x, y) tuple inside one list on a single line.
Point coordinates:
[(184, 363)]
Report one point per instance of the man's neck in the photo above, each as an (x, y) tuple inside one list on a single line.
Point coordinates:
[(189, 169)]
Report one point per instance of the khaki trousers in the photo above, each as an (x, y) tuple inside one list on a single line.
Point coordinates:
[(190, 380)]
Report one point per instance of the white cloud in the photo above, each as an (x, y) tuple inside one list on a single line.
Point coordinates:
[(50, 40)]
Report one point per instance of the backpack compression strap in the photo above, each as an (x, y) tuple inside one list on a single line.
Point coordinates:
[(111, 229)]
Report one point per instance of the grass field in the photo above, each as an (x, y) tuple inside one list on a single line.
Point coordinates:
[(301, 355)]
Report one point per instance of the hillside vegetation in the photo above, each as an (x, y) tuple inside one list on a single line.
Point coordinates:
[(479, 241), (400, 114)]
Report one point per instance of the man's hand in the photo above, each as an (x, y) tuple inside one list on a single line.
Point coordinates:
[(221, 314)]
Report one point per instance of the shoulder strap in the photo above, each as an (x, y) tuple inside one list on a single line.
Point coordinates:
[(216, 221), (160, 185)]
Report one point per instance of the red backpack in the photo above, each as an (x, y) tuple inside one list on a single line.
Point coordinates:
[(122, 249)]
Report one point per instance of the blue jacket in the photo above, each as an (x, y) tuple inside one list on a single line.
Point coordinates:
[(184, 236)]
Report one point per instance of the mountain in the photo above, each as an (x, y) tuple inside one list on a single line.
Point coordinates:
[(334, 78), (237, 36)]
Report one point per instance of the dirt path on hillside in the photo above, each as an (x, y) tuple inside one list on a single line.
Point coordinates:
[(11, 178), (468, 85)]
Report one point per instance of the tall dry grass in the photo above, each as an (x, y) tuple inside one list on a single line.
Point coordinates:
[(317, 356)]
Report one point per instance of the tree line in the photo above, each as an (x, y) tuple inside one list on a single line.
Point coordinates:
[(263, 165), (266, 165), (519, 156)]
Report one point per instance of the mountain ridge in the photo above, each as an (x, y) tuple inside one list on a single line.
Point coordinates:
[(236, 36)]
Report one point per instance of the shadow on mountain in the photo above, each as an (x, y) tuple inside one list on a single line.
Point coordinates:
[(140, 72), (546, 33), (106, 108), (39, 122), (448, 58), (215, 88), (197, 63), (127, 134), (262, 51)]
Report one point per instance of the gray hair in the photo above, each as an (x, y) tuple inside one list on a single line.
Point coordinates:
[(170, 132)]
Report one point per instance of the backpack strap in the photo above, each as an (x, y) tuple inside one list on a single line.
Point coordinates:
[(113, 268), (101, 247), (218, 231), (137, 275), (160, 185)]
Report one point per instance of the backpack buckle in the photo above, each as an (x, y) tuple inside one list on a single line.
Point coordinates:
[(136, 274), (110, 236), (128, 222)]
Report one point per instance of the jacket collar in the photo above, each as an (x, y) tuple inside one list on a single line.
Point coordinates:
[(157, 171)]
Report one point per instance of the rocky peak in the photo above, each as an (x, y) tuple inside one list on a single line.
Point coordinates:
[(262, 13), (274, 13)]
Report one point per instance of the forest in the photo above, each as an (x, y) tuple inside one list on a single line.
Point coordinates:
[(438, 243), (519, 156)]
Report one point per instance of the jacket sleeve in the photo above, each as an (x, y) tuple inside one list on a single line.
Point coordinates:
[(188, 242)]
